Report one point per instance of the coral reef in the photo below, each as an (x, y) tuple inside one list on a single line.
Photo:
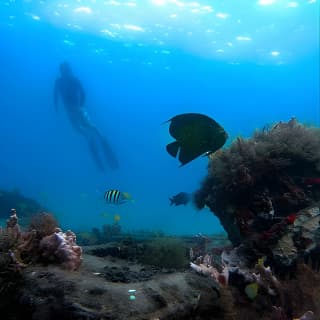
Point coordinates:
[(44, 224), (260, 180), (101, 289), (265, 190), (258, 290), (61, 248), (10, 243), (10, 266), (42, 242)]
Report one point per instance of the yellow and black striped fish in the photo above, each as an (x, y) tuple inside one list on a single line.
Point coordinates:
[(116, 197)]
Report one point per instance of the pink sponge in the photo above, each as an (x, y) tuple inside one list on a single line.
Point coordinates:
[(61, 247)]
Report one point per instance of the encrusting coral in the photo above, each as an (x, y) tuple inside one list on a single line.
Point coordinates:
[(257, 289), (61, 248), (43, 242), (10, 240)]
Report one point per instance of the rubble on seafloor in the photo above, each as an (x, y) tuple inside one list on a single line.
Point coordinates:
[(39, 282), (114, 286)]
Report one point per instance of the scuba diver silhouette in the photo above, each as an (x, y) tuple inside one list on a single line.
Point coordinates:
[(70, 89)]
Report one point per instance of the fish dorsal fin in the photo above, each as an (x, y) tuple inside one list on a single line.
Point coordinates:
[(173, 148)]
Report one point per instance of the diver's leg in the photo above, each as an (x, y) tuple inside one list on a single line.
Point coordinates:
[(78, 124), (106, 148)]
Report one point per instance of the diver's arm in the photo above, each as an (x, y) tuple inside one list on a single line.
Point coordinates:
[(56, 95)]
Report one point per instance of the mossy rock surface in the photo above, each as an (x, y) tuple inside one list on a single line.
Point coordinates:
[(165, 253)]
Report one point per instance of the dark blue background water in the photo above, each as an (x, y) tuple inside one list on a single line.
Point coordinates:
[(131, 90)]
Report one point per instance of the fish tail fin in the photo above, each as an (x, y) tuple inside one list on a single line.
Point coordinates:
[(127, 196), (173, 148), (173, 202)]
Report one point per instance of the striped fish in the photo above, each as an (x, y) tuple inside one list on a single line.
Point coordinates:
[(114, 196)]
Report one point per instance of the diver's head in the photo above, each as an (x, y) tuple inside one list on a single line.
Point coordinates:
[(65, 69)]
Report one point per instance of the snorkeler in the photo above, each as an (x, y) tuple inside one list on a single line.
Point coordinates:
[(69, 88)]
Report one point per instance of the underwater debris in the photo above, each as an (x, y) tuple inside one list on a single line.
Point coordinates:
[(132, 294), (196, 134)]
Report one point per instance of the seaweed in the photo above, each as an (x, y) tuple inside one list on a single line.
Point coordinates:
[(43, 223), (263, 176), (263, 187), (165, 253)]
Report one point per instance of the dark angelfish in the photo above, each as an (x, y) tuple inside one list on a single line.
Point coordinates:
[(180, 198), (196, 134)]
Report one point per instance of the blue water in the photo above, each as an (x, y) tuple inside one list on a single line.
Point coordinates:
[(245, 65)]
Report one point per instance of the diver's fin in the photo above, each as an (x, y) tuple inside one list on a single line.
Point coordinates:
[(109, 154), (173, 148), (95, 155)]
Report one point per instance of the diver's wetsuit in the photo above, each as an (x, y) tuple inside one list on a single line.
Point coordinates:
[(73, 96)]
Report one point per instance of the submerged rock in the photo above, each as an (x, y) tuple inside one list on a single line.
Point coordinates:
[(53, 293)]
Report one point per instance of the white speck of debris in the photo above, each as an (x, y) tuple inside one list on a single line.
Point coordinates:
[(132, 291)]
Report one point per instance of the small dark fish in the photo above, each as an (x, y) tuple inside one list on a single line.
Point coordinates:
[(196, 134), (116, 197), (180, 198)]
